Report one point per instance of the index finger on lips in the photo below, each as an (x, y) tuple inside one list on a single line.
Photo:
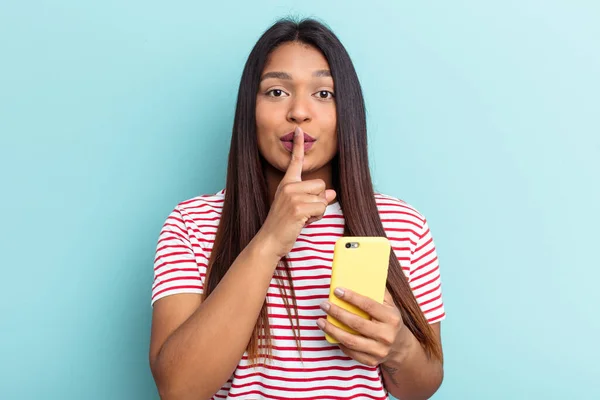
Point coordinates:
[(294, 170)]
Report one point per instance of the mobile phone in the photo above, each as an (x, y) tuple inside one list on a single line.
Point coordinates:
[(361, 265)]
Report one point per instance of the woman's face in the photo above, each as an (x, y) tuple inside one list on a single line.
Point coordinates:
[(296, 89)]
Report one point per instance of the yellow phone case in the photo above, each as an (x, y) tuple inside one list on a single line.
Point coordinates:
[(362, 268)]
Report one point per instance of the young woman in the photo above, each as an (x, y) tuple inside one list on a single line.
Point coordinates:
[(242, 276)]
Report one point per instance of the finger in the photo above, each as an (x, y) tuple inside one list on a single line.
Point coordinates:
[(309, 198), (362, 358), (376, 310), (317, 186), (313, 186), (316, 209), (320, 210), (323, 196), (352, 342), (359, 324), (312, 219), (294, 170)]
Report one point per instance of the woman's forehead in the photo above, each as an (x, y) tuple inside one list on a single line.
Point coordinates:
[(295, 58)]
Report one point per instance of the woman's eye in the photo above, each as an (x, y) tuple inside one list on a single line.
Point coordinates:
[(275, 93), (325, 95)]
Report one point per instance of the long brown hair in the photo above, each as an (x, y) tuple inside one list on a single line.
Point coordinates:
[(246, 196)]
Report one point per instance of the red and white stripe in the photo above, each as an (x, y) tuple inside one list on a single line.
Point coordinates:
[(323, 372)]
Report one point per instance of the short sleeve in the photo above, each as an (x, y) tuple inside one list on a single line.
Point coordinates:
[(424, 277), (175, 266)]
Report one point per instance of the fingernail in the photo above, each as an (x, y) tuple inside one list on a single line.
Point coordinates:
[(321, 323), (325, 306), (338, 292), (297, 131)]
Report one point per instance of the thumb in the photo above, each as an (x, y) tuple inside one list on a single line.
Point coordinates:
[(330, 195)]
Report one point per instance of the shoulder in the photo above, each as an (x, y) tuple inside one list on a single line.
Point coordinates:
[(203, 205), (394, 211), (197, 218)]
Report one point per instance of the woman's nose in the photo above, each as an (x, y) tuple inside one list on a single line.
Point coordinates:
[(299, 112)]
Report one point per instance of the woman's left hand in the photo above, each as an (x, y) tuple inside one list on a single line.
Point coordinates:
[(381, 339)]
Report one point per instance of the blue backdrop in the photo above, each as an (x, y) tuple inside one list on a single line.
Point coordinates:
[(483, 115)]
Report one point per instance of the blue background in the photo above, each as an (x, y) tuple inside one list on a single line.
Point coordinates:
[(483, 115)]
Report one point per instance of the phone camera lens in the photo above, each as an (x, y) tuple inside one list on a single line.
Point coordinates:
[(348, 245)]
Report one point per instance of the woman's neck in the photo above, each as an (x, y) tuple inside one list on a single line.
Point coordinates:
[(274, 177)]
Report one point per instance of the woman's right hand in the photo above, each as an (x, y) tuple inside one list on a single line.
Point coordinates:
[(296, 203)]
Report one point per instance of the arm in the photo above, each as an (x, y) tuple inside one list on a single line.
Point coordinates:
[(413, 376), (384, 340), (195, 347)]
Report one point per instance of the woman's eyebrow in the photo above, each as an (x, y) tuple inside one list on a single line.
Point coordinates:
[(322, 73), (276, 75)]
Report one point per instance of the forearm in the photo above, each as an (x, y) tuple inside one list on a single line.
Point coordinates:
[(415, 376), (199, 357)]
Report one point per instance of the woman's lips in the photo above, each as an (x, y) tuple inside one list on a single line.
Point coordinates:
[(288, 141), (290, 145), (290, 137)]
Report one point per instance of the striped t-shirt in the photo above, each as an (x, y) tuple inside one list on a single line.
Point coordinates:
[(182, 255)]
